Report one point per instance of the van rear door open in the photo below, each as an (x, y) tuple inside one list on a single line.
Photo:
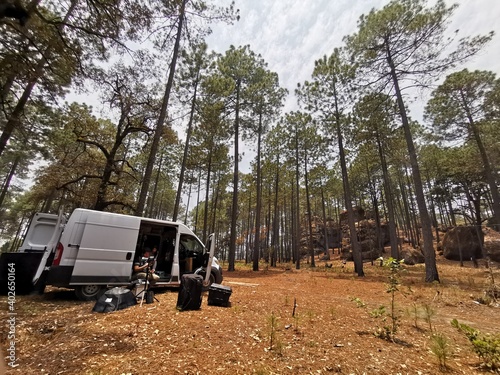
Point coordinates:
[(106, 251), (38, 280)]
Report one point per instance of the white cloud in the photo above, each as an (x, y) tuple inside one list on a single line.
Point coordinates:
[(291, 34)]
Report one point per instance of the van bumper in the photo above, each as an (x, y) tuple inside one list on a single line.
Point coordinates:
[(17, 270), (60, 275)]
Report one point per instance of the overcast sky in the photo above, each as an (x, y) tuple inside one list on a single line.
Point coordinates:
[(291, 34)]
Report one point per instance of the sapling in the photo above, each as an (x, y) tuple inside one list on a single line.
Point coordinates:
[(441, 348), (413, 312), (388, 331), (273, 323), (428, 314), (393, 287)]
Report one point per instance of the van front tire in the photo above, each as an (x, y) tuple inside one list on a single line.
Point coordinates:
[(215, 278), (89, 292)]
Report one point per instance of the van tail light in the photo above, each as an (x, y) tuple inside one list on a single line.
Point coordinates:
[(58, 255)]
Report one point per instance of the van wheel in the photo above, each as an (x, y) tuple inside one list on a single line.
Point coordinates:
[(89, 292)]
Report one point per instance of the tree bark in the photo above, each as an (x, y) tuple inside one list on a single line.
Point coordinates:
[(309, 214), (356, 252), (389, 199), (6, 184), (296, 229), (431, 272), (207, 196), (184, 156), (490, 177), (234, 210), (258, 208)]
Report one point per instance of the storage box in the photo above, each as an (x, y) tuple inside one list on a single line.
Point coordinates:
[(218, 295), (139, 288)]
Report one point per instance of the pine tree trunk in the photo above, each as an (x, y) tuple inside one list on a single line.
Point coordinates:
[(393, 238), (8, 179), (276, 218), (258, 208), (431, 272), (197, 202), (185, 155), (490, 177), (309, 214), (146, 180), (234, 209), (356, 252), (296, 229), (207, 196), (325, 227)]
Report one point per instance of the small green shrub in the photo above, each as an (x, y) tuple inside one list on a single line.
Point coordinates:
[(441, 348), (424, 312), (428, 313), (384, 333), (377, 313), (486, 346), (358, 302), (273, 324), (414, 313)]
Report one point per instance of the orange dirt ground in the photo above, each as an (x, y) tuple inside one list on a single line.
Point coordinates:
[(332, 330)]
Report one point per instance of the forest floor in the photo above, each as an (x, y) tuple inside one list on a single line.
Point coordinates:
[(281, 320)]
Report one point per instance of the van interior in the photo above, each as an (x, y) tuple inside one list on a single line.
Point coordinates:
[(163, 238)]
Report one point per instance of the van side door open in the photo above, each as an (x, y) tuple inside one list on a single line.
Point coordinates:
[(210, 258), (205, 268)]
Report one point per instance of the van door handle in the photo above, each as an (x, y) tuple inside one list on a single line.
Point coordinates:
[(128, 256)]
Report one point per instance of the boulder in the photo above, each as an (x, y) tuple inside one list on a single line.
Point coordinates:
[(492, 244), (359, 214), (463, 242), (411, 256)]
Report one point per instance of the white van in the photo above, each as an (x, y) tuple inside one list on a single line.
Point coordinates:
[(92, 250)]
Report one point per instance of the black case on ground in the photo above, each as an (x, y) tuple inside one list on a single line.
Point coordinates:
[(115, 299), (218, 295), (190, 296)]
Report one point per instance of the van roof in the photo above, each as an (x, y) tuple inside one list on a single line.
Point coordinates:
[(182, 227)]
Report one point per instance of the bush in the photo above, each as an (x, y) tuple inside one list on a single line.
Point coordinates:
[(486, 346), (441, 348)]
